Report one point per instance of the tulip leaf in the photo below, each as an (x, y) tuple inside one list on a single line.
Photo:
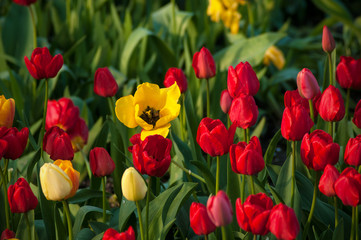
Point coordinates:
[(97, 227), (85, 234), (125, 211), (339, 231), (206, 173), (31, 165), (83, 195), (22, 230)]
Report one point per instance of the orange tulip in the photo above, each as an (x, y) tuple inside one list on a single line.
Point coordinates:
[(73, 174)]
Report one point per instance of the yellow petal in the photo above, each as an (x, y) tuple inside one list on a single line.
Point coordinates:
[(133, 185), (143, 124), (148, 94), (124, 109), (171, 109), (157, 131), (7, 111)]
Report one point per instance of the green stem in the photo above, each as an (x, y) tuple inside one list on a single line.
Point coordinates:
[(224, 235), (189, 172), (34, 25), (112, 108), (247, 135), (90, 175), (173, 18), (243, 188), (68, 9), (250, 17), (217, 174), (308, 224), (254, 237), (140, 221), (68, 219), (356, 222), (353, 224), (311, 113), (252, 184), (147, 209), (183, 118), (293, 163), (44, 117), (347, 103), (330, 128), (7, 214), (336, 210), (28, 225), (208, 98), (330, 68), (104, 201), (205, 237)]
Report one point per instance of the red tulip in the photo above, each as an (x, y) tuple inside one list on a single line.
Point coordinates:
[(104, 83), (213, 137), (24, 3), (307, 84), (3, 148), (7, 234), (61, 113), (357, 116), (112, 234), (203, 64), (348, 73), (331, 108), (348, 187), (135, 139), (247, 158), (176, 75), (16, 141), (78, 134), (242, 80), (327, 181), (293, 98), (100, 161), (21, 197), (225, 101), (318, 150), (199, 219), (42, 64), (353, 151), (252, 215), (295, 123), (243, 111), (219, 209), (57, 144), (283, 223), (328, 43), (152, 156)]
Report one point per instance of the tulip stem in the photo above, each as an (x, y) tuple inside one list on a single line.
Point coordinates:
[(254, 237), (68, 219), (336, 210), (224, 235), (7, 216), (356, 222), (330, 68), (311, 112), (208, 98), (140, 221), (104, 200), (28, 225), (205, 237), (41, 136), (34, 25), (293, 160), (112, 108), (252, 184), (189, 172), (183, 118), (243, 186), (330, 129), (147, 210), (307, 226), (250, 17), (217, 174), (353, 224), (347, 103)]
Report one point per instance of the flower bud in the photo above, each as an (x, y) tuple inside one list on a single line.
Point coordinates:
[(176, 75), (133, 185), (24, 3), (104, 83), (101, 163), (112, 234), (57, 144), (243, 111), (307, 84), (348, 73), (16, 141), (7, 234), (199, 219), (331, 107), (21, 197), (219, 209), (274, 55), (242, 80), (348, 187), (62, 113), (353, 151), (357, 115), (7, 112), (74, 175), (295, 123), (3, 148), (225, 101), (327, 181), (203, 64), (328, 43)]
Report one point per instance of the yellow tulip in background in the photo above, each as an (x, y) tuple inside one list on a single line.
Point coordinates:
[(74, 175), (274, 55), (7, 111), (227, 11), (133, 185), (151, 108)]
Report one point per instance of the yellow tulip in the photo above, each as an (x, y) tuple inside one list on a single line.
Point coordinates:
[(74, 175), (231, 19), (55, 183), (215, 10), (133, 185), (151, 108), (274, 55), (7, 111)]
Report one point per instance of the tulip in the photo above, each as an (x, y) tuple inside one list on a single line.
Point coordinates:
[(42, 64), (295, 123), (16, 141), (274, 55), (213, 137), (7, 234), (133, 185), (78, 135), (331, 108), (307, 84), (101, 164), (252, 215), (243, 111), (318, 150), (327, 181), (7, 112), (152, 156), (61, 113), (283, 223), (21, 197), (199, 219), (74, 175), (357, 116), (3, 148), (348, 187), (215, 10), (242, 80), (348, 73), (293, 98), (203, 64), (247, 158), (219, 209), (104, 83), (225, 101), (24, 3), (176, 75), (55, 183), (112, 234), (57, 144), (231, 18), (328, 43), (353, 151)]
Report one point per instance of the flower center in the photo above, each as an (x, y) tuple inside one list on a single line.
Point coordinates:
[(150, 116)]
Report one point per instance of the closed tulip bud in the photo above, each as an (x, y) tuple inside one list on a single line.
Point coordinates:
[(331, 108), (293, 98), (203, 64), (243, 111), (283, 222), (225, 101), (353, 151), (242, 80), (176, 75), (219, 209), (348, 187), (62, 113), (274, 55), (42, 64), (104, 83), (101, 164), (328, 43), (199, 219), (24, 3), (307, 84), (357, 116), (3, 148), (57, 144), (247, 158), (21, 197), (16, 141), (7, 111), (78, 135), (55, 183), (214, 138), (112, 234), (327, 181), (73, 174), (295, 123), (133, 185), (348, 73), (318, 150), (252, 215), (7, 234)]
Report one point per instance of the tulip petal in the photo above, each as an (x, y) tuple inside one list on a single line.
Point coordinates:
[(163, 131), (124, 109), (54, 66), (31, 68)]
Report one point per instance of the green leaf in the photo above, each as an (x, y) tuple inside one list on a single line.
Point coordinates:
[(339, 231), (83, 195), (31, 165), (125, 212), (207, 175), (22, 230), (85, 234)]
